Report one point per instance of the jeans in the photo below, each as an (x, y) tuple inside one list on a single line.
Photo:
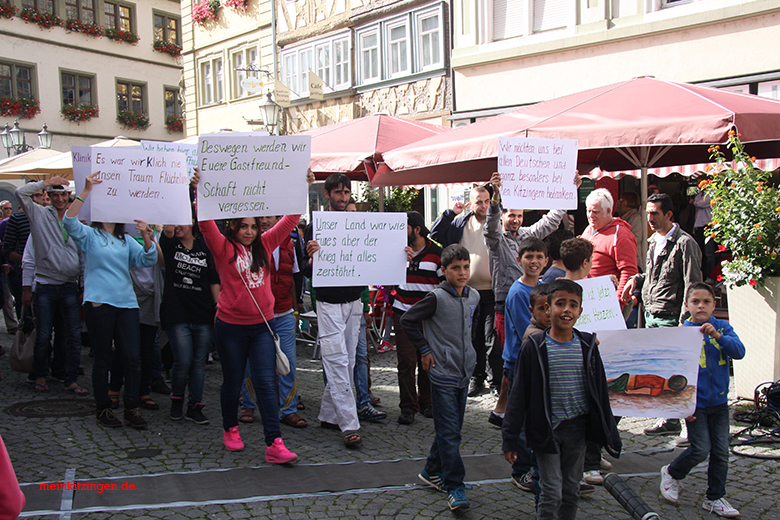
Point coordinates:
[(148, 339), (449, 407), (360, 372), (560, 473), (708, 435), (415, 395), (483, 332), (190, 344), (237, 344), (112, 325), (50, 299), (284, 326), (525, 457)]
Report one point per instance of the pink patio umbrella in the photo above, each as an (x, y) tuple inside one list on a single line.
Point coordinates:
[(355, 147)]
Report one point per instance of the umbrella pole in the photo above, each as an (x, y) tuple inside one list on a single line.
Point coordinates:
[(381, 200), (643, 212)]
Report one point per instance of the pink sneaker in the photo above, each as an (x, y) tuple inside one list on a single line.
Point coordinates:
[(232, 440), (385, 346), (276, 453)]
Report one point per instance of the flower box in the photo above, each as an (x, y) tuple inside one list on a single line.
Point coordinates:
[(80, 113), (204, 11), (167, 48), (174, 124), (25, 108), (133, 120), (90, 29), (7, 11), (118, 35), (43, 20), (239, 6)]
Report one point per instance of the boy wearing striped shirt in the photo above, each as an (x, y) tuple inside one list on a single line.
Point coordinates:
[(560, 395)]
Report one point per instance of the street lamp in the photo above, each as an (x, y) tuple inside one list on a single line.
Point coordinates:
[(270, 112), (14, 139)]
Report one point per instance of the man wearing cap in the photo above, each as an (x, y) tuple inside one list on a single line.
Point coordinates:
[(57, 274), (423, 274)]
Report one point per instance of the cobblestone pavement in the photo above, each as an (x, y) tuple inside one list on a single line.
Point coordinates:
[(43, 448)]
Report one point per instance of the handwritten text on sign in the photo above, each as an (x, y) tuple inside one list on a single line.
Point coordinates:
[(600, 306), (248, 176), (359, 248), (137, 184), (81, 157), (537, 173), (190, 150)]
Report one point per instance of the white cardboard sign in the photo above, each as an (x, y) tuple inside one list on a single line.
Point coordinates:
[(190, 150), (140, 184), (537, 173), (249, 176), (359, 248), (81, 157), (600, 305)]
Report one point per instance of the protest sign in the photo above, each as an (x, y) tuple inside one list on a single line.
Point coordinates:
[(81, 157), (190, 150), (600, 305), (359, 248), (537, 173), (140, 184), (652, 372), (250, 176)]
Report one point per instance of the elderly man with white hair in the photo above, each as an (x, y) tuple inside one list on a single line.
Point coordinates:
[(614, 245)]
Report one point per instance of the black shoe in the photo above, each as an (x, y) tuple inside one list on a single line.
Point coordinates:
[(524, 482), (106, 417), (177, 408), (475, 387), (195, 413), (406, 418), (586, 489), (158, 386), (496, 419), (665, 427), (134, 419), (370, 414), (428, 412)]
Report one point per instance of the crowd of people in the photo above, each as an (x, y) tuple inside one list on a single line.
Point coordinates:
[(486, 300)]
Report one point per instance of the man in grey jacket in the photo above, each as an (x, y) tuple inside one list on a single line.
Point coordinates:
[(673, 264), (57, 273)]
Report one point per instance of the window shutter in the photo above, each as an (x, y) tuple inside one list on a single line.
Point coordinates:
[(549, 14), (508, 16)]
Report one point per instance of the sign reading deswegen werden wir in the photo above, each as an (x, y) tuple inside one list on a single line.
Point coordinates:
[(359, 248), (249, 176)]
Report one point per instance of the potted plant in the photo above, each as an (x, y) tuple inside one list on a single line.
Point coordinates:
[(167, 48), (119, 35), (204, 11), (7, 10), (746, 221), (43, 20), (133, 120), (90, 29), (24, 108), (239, 6), (174, 124), (77, 114)]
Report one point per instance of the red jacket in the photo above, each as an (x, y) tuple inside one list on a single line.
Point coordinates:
[(614, 251), (282, 283), (235, 304), (11, 497)]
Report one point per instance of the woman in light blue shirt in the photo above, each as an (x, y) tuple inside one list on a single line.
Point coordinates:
[(110, 304)]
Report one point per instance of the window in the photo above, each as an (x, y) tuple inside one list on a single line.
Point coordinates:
[(549, 14), (341, 64), (166, 28), (44, 6), (16, 81), (77, 89), (130, 97), (212, 81), (770, 89), (172, 103), (399, 47), (246, 64), (290, 72), (369, 56), (430, 41), (118, 16), (322, 62), (330, 59), (82, 10)]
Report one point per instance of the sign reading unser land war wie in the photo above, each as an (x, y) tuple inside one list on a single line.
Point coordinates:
[(248, 176), (538, 173)]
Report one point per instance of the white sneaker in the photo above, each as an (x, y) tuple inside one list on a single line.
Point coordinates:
[(605, 464), (670, 487), (593, 478), (720, 507)]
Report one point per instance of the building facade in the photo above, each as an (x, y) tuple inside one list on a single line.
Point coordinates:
[(91, 69)]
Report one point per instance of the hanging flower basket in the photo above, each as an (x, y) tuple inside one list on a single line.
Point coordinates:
[(118, 35), (239, 6), (25, 108), (745, 216), (7, 11), (43, 20), (174, 124), (204, 11), (79, 113), (133, 120), (90, 29), (167, 48)]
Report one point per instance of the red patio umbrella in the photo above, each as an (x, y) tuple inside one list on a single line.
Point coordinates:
[(355, 147), (640, 123)]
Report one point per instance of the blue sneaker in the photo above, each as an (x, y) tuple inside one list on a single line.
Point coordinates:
[(456, 499), (435, 481)]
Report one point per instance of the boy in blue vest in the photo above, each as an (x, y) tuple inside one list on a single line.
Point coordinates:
[(446, 314), (708, 428)]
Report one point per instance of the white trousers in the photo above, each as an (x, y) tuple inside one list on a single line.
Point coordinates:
[(339, 327)]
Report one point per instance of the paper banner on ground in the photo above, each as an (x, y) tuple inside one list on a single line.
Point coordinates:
[(140, 184), (249, 176), (81, 157), (600, 305), (652, 372), (537, 173), (190, 150), (359, 248)]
